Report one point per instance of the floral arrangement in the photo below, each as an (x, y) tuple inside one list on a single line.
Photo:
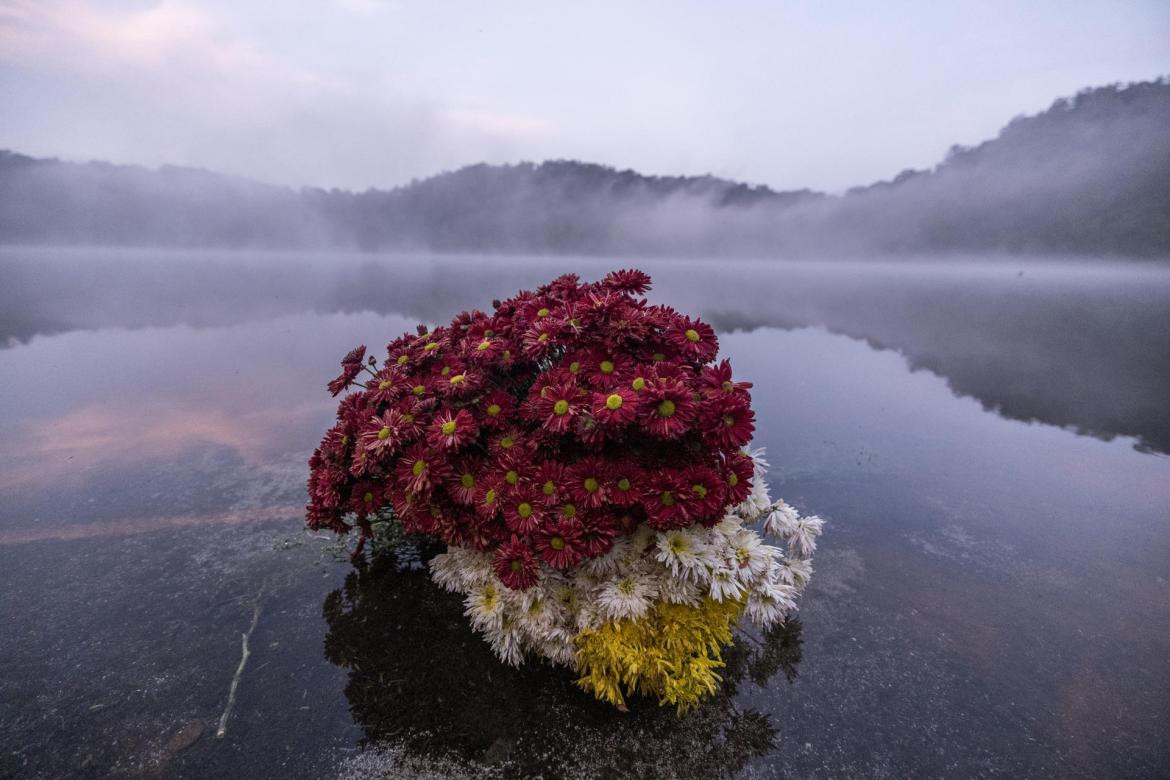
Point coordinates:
[(582, 456)]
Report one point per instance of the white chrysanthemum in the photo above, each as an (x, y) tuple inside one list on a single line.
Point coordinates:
[(446, 573), (795, 572), (752, 555), (559, 651), (770, 603), (506, 642), (625, 597), (729, 526), (484, 605), (681, 590), (726, 583), (803, 542), (684, 553), (603, 566), (781, 521)]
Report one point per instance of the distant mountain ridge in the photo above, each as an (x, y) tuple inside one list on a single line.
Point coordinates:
[(1090, 175)]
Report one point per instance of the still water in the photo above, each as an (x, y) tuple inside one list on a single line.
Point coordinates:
[(986, 440)]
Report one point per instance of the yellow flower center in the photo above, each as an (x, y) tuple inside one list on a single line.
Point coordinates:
[(591, 485), (614, 402), (368, 497), (384, 434), (493, 410), (666, 408), (569, 510), (728, 420), (431, 347), (542, 312), (448, 428), (728, 387), (732, 479), (489, 497), (445, 370), (385, 384), (638, 384), (699, 490), (512, 477), (606, 366), (507, 442), (659, 357), (402, 359), (543, 337), (419, 467), (485, 344), (560, 407), (667, 498), (692, 335), (548, 488), (458, 379), (623, 485), (574, 367), (408, 418), (467, 480), (626, 587), (524, 510), (418, 389), (557, 543)]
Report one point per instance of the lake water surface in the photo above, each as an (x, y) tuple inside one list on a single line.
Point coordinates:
[(986, 439)]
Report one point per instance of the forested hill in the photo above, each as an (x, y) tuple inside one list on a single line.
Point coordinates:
[(1090, 175)]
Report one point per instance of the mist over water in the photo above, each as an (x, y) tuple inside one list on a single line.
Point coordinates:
[(1075, 343)]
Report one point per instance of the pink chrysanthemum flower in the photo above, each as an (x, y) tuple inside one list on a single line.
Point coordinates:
[(728, 421)]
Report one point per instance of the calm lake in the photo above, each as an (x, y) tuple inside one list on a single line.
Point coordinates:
[(986, 439)]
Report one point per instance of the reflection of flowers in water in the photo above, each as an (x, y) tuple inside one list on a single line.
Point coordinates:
[(421, 680)]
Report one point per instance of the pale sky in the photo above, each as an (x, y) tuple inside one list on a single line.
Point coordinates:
[(372, 93)]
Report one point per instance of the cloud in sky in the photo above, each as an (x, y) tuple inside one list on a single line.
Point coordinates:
[(359, 93)]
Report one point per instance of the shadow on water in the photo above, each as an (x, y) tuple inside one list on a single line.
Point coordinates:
[(421, 681)]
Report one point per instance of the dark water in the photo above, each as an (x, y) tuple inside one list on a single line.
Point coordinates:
[(991, 594)]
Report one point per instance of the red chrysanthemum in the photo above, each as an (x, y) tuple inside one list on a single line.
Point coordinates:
[(560, 544), (728, 421), (523, 512), (666, 410), (515, 565), (541, 431), (628, 280), (451, 430), (615, 408), (555, 406), (737, 475)]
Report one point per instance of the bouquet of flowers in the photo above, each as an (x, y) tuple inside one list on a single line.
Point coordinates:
[(582, 456)]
